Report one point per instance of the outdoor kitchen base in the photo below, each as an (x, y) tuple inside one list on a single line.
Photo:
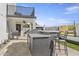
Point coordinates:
[(39, 46)]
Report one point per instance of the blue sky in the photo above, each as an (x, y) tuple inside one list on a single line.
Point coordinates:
[(54, 14)]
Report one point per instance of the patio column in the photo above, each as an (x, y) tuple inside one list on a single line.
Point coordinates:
[(30, 26), (34, 25), (3, 23)]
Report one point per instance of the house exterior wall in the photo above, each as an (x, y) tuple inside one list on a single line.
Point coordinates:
[(69, 28), (77, 29), (14, 20), (12, 4), (3, 28), (11, 10)]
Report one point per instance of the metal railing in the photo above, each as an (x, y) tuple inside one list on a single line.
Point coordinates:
[(55, 45), (20, 10)]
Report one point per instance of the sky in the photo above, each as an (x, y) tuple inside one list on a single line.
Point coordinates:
[(54, 14)]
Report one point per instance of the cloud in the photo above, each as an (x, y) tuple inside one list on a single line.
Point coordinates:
[(52, 19), (53, 22), (59, 22), (40, 22), (72, 9)]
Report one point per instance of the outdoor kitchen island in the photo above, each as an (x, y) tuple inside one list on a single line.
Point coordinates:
[(38, 44)]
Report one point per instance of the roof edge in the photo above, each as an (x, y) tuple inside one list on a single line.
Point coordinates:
[(21, 16)]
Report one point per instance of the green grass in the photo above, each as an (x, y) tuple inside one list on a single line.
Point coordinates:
[(71, 45)]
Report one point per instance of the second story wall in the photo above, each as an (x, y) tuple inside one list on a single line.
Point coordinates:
[(77, 30), (2, 17), (11, 8), (3, 23)]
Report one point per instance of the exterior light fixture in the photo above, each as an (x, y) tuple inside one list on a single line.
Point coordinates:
[(28, 23), (24, 22)]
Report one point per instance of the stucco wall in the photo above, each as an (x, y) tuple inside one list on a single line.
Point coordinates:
[(11, 9), (3, 34), (15, 20), (77, 29)]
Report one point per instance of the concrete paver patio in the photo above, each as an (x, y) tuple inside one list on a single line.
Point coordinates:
[(71, 52), (16, 48), (19, 48)]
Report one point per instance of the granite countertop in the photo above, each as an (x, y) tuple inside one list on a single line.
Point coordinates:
[(39, 36), (49, 31)]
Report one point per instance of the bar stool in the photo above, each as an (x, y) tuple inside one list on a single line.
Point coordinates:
[(63, 39), (58, 45)]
